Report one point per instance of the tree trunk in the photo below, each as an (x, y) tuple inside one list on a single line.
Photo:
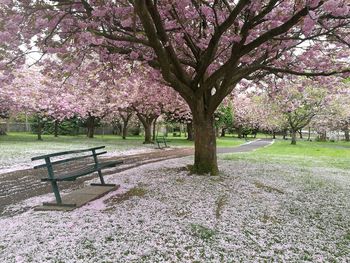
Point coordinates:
[(40, 130), (347, 134), (56, 128), (323, 136), (205, 160), (300, 134), (294, 137), (148, 133), (147, 125), (273, 135), (190, 134), (125, 130), (90, 123), (239, 133), (284, 134), (223, 132), (125, 125), (309, 134), (2, 130), (155, 129)]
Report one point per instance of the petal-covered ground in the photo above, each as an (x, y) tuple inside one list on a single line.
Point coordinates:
[(251, 212)]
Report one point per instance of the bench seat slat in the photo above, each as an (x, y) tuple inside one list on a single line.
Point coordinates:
[(90, 169), (65, 152)]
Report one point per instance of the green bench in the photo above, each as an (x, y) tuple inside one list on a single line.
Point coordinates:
[(162, 142), (54, 177)]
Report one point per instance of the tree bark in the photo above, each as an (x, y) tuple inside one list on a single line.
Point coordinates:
[(273, 135), (239, 133), (147, 125), (294, 137), (154, 129), (90, 124), (205, 160), (323, 136), (2, 130), (284, 134), (223, 132), (125, 130), (190, 135), (56, 128), (125, 125), (40, 129), (347, 134), (300, 134), (148, 133)]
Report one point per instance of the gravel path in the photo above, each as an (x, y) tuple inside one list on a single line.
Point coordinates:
[(22, 184)]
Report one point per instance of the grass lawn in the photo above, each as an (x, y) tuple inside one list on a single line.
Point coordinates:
[(17, 148), (305, 153)]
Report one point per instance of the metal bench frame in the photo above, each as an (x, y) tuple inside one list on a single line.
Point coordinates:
[(72, 176)]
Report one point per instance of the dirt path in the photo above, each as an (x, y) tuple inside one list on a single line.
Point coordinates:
[(19, 185)]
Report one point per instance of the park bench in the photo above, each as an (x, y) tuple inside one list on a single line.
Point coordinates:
[(54, 177), (161, 142)]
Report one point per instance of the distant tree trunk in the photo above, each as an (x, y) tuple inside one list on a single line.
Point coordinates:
[(125, 117), (2, 130), (300, 134), (190, 135), (40, 129), (166, 130), (125, 130), (137, 129), (323, 136), (347, 134), (56, 123), (148, 133), (239, 133), (90, 124), (147, 125), (294, 137), (273, 135), (309, 134), (155, 129), (254, 134), (284, 134), (117, 128), (223, 132)]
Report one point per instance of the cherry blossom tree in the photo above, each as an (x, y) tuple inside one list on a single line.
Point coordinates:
[(300, 100), (202, 49), (336, 116), (181, 113), (249, 114)]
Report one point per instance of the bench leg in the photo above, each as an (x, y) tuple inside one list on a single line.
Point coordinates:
[(56, 191), (101, 177)]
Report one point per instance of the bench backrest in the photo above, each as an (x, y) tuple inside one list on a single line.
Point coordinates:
[(48, 162)]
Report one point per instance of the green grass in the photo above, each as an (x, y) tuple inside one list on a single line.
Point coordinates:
[(17, 148), (108, 140), (305, 153)]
